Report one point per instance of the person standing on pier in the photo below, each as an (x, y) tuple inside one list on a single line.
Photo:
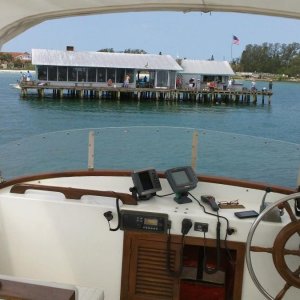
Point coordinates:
[(229, 84), (192, 83), (29, 76), (109, 82), (270, 85), (23, 77), (126, 81)]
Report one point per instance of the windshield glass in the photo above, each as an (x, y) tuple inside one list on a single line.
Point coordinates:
[(132, 148)]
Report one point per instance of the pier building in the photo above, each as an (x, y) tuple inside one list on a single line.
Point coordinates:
[(101, 69), (105, 75), (203, 72)]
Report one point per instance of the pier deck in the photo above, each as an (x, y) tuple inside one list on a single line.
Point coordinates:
[(87, 90)]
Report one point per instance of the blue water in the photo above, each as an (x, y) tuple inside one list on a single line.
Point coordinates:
[(21, 118), (234, 155)]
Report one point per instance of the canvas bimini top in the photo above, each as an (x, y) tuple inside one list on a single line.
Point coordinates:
[(15, 18)]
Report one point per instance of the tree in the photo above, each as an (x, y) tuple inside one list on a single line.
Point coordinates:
[(294, 68), (270, 58), (135, 51), (106, 50), (6, 57), (18, 64)]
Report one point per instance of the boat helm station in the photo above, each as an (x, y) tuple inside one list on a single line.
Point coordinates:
[(216, 260), (164, 235), (173, 235)]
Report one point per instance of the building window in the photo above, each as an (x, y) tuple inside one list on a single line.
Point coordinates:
[(172, 79), (91, 74), (120, 75), (151, 78), (208, 78), (42, 73), (52, 73), (82, 74), (72, 74), (101, 75), (111, 74), (62, 74), (162, 78)]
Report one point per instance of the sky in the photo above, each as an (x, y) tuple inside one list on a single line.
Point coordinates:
[(184, 35)]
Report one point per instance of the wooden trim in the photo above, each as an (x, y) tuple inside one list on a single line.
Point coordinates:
[(73, 193), (16, 290), (247, 184), (126, 173), (74, 173)]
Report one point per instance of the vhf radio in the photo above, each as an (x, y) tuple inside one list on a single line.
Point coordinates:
[(144, 221)]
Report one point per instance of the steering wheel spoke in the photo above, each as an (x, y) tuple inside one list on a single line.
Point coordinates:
[(279, 253), (290, 212), (281, 294), (261, 249)]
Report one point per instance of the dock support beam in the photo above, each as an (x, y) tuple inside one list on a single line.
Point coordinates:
[(24, 92)]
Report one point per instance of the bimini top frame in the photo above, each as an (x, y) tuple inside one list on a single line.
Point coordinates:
[(16, 17)]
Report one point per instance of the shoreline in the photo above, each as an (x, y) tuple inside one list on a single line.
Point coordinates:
[(14, 71)]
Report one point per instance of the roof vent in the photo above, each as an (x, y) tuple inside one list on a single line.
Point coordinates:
[(70, 48)]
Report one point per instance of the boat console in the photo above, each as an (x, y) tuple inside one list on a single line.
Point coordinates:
[(132, 226)]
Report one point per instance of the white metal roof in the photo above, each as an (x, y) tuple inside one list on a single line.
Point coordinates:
[(17, 16), (104, 59), (206, 67)]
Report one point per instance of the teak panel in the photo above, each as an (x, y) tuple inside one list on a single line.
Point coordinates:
[(144, 272), (15, 290)]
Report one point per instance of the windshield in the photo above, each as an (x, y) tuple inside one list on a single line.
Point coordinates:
[(132, 148)]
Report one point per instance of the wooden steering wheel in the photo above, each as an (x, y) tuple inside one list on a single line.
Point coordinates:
[(278, 251)]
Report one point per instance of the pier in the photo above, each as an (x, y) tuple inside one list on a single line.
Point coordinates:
[(89, 91)]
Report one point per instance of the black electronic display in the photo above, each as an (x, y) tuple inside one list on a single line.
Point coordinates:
[(146, 183), (146, 180), (143, 221), (182, 180)]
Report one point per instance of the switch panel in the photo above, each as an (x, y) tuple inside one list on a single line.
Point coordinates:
[(202, 227)]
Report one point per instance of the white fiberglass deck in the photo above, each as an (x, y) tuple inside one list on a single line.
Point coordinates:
[(69, 241)]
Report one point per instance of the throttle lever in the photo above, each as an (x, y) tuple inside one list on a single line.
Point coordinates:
[(211, 201)]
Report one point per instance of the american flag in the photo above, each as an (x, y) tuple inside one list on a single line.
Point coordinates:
[(235, 40)]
